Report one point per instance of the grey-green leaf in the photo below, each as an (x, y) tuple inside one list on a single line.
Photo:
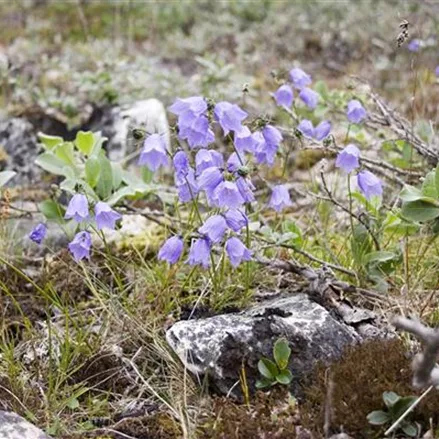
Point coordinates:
[(390, 398), (5, 176), (105, 185), (92, 171), (420, 211), (52, 210), (284, 377), (263, 383), (378, 417), (51, 163), (49, 142), (409, 429)]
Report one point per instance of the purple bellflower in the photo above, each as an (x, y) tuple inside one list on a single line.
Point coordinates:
[(199, 253), (214, 228), (284, 96), (414, 45), (106, 216), (153, 154), (77, 208), (280, 198), (181, 165), (320, 132), (229, 116), (436, 71), (309, 97), (299, 78), (369, 184), (187, 186), (348, 159), (246, 188), (237, 251), (236, 219), (244, 140), (38, 233), (208, 158), (80, 246), (355, 111), (228, 195), (171, 250), (198, 133)]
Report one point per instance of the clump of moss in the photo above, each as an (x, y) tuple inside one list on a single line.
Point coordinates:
[(270, 416), (360, 378)]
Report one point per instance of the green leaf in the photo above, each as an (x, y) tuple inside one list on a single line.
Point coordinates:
[(5, 176), (378, 417), (51, 163), (390, 398), (263, 383), (99, 141), (85, 141), (419, 211), (120, 194), (53, 211), (267, 368), (49, 142), (429, 186), (402, 405), (73, 403), (92, 171), (284, 377), (105, 184), (147, 175), (289, 226), (379, 256), (393, 223), (436, 179), (64, 151), (409, 429), (281, 353), (361, 243), (117, 175), (411, 193)]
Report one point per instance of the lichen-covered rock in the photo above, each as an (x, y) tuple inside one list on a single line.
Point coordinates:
[(18, 150), (13, 426), (220, 346)]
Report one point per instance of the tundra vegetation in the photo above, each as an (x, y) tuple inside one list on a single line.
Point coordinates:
[(301, 143)]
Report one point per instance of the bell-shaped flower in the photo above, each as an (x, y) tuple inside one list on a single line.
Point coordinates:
[(355, 111), (106, 216), (207, 158), (280, 198), (309, 97), (181, 165), (237, 251), (187, 187), (228, 195), (229, 116), (153, 154), (80, 246), (214, 228), (348, 159), (284, 96), (38, 233), (199, 253), (236, 219), (171, 250), (244, 140), (369, 184), (320, 132), (77, 208), (299, 78)]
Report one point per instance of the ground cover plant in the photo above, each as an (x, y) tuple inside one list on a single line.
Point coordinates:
[(263, 180)]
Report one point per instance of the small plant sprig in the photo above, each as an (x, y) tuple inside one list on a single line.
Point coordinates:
[(396, 405), (275, 372)]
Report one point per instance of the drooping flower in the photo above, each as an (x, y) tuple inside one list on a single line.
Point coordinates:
[(355, 111), (234, 162), (414, 45), (299, 78), (309, 97), (237, 251), (171, 250), (198, 133), (214, 228), (188, 110), (80, 246), (369, 184), (280, 198), (244, 140), (229, 116), (106, 216), (272, 135), (436, 71), (284, 96), (348, 159), (320, 132), (199, 253), (77, 208), (207, 158), (236, 219), (38, 233), (181, 165), (153, 154), (187, 187), (267, 144), (228, 195), (246, 188), (210, 178)]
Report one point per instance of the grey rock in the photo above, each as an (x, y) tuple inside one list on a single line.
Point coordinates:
[(18, 150), (13, 426), (220, 346)]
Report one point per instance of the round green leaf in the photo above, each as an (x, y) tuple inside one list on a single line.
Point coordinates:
[(378, 417), (267, 368), (281, 353), (284, 377)]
